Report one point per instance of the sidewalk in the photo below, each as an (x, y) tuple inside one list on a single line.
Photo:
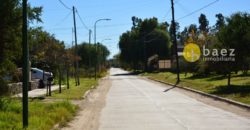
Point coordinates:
[(39, 92)]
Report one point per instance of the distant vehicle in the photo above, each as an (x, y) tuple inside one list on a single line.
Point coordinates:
[(41, 75)]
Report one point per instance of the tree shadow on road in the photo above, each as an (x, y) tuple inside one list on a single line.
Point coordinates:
[(171, 87)]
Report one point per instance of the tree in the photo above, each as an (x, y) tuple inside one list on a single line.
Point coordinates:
[(182, 36), (136, 22), (203, 27), (171, 29), (220, 22), (11, 32), (164, 26), (87, 52), (192, 28), (146, 38), (236, 35)]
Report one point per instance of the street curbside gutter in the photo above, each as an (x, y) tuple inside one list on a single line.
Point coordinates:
[(214, 97), (87, 93)]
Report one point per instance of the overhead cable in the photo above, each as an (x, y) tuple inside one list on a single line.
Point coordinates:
[(61, 21), (85, 26), (64, 5), (198, 10)]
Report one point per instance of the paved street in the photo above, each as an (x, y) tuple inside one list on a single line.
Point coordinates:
[(137, 104), (133, 103)]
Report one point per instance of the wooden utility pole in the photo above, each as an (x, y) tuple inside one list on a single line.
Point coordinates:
[(90, 32), (76, 65), (90, 36), (74, 62), (25, 69), (175, 43)]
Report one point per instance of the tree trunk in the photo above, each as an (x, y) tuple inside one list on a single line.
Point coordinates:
[(50, 89), (229, 79), (67, 78), (60, 80)]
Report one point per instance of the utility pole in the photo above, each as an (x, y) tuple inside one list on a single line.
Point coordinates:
[(95, 49), (145, 54), (74, 63), (90, 32), (25, 65), (77, 65), (175, 43)]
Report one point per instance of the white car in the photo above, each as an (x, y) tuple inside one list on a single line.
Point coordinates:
[(41, 75)]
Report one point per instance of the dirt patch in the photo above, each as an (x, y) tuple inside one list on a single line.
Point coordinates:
[(90, 108)]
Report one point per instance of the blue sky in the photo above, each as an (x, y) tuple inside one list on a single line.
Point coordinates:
[(59, 21)]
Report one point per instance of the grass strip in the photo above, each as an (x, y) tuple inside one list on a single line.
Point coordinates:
[(75, 92), (42, 116)]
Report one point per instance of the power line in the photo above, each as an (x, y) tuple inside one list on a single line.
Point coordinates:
[(169, 10), (85, 26), (61, 21), (165, 16), (64, 5), (183, 7), (198, 10)]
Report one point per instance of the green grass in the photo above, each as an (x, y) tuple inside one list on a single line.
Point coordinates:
[(212, 84), (42, 116), (75, 92)]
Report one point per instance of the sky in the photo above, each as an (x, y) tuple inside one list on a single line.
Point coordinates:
[(58, 20)]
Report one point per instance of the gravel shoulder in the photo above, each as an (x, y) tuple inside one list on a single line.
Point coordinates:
[(90, 108)]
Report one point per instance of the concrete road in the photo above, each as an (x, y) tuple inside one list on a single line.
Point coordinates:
[(133, 103)]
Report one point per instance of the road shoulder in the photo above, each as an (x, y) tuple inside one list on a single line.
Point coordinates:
[(90, 108)]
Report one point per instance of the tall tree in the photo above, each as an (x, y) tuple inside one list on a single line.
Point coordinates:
[(136, 22), (11, 32), (236, 35), (143, 41), (171, 31), (203, 27), (220, 22)]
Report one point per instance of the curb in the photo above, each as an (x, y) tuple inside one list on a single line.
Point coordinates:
[(229, 101), (86, 94)]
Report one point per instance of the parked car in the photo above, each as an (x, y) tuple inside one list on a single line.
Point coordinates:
[(41, 75)]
